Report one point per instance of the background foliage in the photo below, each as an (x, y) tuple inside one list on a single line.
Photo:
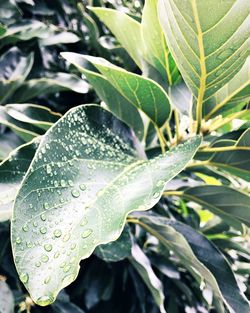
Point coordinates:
[(195, 241)]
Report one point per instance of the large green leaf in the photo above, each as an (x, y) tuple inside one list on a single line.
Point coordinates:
[(142, 92), (126, 29), (237, 90), (84, 180), (52, 84), (143, 266), (118, 105), (199, 255), (14, 68), (209, 49), (12, 171), (231, 205), (7, 303)]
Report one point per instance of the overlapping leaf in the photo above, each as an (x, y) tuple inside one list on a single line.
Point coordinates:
[(92, 178), (142, 92), (198, 254)]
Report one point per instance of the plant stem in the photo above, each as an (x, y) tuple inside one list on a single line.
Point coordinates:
[(222, 149), (161, 139), (226, 120), (169, 133), (198, 163), (173, 193), (177, 125)]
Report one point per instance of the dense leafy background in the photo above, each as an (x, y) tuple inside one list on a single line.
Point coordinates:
[(196, 236)]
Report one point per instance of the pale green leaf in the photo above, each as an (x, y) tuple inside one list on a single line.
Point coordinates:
[(84, 180), (209, 41), (126, 29)]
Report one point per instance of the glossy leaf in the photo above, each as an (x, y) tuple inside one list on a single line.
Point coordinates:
[(7, 299), (12, 171), (126, 29), (208, 52), (90, 176), (118, 105), (47, 85), (199, 254), (142, 92), (142, 264)]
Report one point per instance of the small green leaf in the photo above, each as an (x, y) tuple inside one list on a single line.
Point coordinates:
[(84, 180), (142, 92)]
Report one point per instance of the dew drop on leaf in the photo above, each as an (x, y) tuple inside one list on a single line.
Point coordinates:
[(45, 300), (57, 233), (48, 247), (87, 233), (24, 278), (75, 193), (43, 230)]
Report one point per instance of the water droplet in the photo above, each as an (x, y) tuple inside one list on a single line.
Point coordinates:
[(48, 247), (57, 233), (25, 228), (160, 183), (63, 183), (84, 222), (43, 230), (73, 246), (56, 255), (156, 195), (66, 237), (75, 193), (24, 278), (82, 187), (45, 300), (47, 280), (38, 264), (44, 258), (48, 169), (66, 268), (46, 206), (18, 240), (87, 233), (43, 217)]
